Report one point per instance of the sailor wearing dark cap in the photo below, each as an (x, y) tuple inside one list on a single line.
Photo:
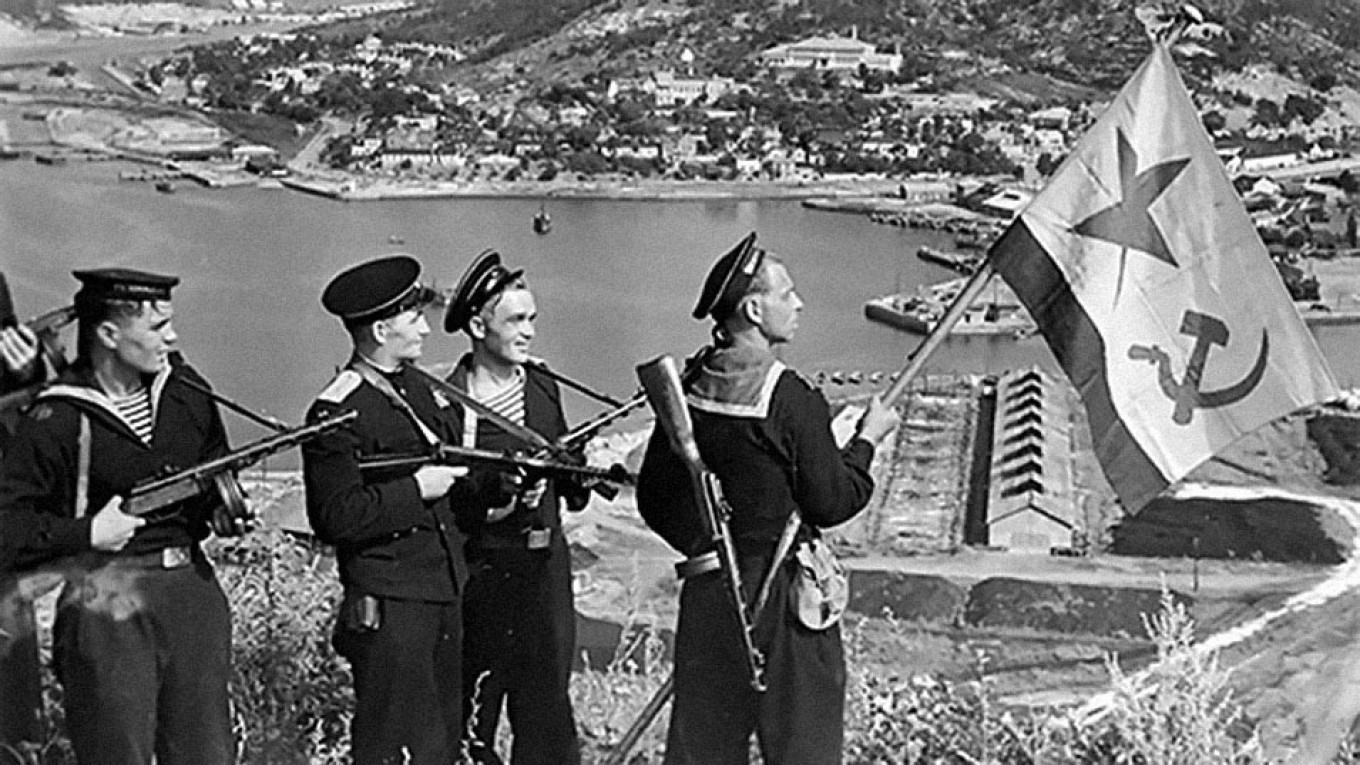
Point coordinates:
[(399, 550), (519, 608), (767, 435), (143, 634)]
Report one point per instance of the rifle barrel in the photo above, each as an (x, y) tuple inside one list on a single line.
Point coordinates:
[(459, 455), (587, 430), (52, 320), (582, 388)]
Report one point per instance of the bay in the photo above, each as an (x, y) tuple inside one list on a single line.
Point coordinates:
[(615, 280)]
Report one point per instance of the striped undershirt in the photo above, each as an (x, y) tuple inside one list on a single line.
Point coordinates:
[(136, 410), (509, 403)]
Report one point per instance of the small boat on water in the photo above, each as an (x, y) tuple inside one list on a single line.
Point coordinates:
[(165, 187), (394, 239), (542, 221), (964, 263)]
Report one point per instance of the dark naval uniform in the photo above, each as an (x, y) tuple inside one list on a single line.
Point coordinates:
[(143, 636), (400, 556), (20, 666), (766, 434), (519, 609)]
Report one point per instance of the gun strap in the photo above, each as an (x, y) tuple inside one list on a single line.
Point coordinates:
[(83, 467), (524, 433), (374, 377)]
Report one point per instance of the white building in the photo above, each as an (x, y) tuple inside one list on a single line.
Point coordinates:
[(669, 90), (830, 53)]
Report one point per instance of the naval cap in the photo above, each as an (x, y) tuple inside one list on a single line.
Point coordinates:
[(375, 290), (483, 280), (103, 284), (729, 279)]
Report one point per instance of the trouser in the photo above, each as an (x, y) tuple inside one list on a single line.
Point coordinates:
[(797, 720), (521, 632), (143, 653), (20, 668), (407, 683)]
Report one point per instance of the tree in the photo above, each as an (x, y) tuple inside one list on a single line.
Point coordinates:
[(1323, 81), (1267, 113)]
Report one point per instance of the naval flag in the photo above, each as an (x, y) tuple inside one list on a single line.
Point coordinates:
[(1147, 278)]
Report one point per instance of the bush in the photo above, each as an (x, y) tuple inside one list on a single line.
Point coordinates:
[(292, 696), (1177, 712)]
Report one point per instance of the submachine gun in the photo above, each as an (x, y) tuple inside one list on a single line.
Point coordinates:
[(661, 383), (219, 474), (560, 457), (445, 454)]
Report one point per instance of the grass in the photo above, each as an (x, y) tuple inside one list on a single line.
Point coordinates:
[(292, 695)]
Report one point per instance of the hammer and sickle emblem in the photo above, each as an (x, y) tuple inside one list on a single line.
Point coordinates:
[(1208, 331)]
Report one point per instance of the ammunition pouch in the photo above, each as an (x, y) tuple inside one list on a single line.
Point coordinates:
[(821, 590)]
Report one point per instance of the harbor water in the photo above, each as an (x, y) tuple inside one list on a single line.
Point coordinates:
[(615, 280)]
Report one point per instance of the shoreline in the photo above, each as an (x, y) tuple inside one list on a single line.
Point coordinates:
[(352, 190)]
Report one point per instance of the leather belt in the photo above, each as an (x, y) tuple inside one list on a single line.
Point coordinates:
[(167, 558)]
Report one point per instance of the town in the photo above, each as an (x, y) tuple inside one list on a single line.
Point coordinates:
[(993, 552), (351, 114)]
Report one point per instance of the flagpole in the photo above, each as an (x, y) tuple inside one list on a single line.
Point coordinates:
[(916, 360)]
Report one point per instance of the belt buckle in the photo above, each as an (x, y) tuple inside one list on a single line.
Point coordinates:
[(539, 539), (174, 557)]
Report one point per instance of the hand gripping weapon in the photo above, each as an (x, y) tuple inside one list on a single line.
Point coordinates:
[(913, 365), (41, 325), (558, 453), (220, 474)]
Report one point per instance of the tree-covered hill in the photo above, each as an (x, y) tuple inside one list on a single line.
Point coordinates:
[(1090, 43)]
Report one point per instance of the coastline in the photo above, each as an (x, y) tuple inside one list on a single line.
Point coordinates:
[(355, 189)]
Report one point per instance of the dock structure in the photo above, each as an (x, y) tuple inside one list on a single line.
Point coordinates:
[(1031, 495)]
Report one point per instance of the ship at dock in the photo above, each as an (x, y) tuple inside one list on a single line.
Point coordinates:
[(997, 311)]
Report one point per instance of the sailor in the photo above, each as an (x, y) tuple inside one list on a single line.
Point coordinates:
[(22, 364), (399, 550), (519, 608), (765, 433), (143, 633)]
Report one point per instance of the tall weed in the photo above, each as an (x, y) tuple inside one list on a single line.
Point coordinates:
[(292, 696)]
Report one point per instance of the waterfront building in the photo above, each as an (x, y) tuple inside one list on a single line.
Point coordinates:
[(1031, 499)]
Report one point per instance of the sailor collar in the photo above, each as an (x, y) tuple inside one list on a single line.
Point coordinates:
[(737, 383), (85, 394)]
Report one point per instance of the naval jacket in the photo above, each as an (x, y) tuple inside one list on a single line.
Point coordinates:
[(543, 414), (38, 483), (766, 434), (389, 542)]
